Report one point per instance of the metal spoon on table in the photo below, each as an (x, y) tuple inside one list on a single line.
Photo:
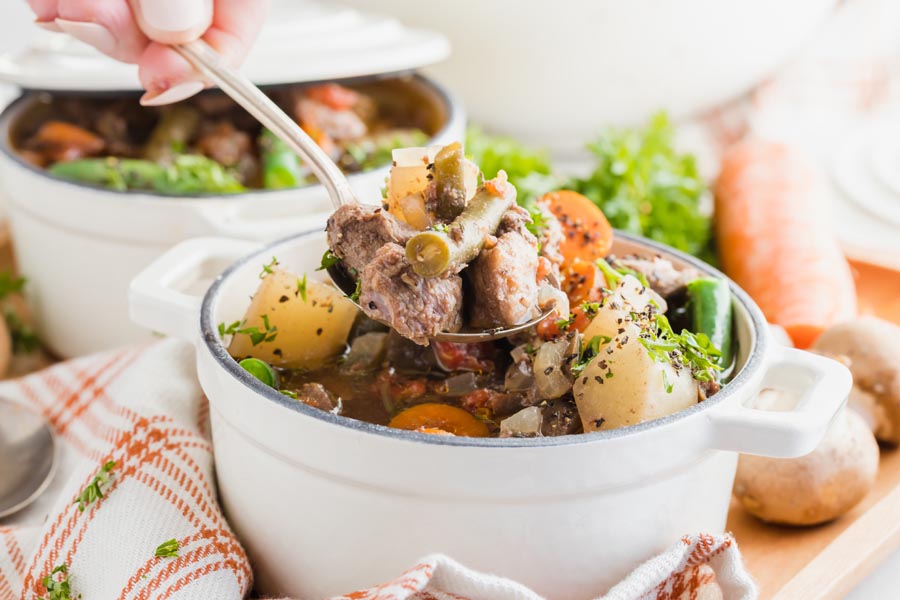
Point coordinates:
[(253, 100), (27, 456)]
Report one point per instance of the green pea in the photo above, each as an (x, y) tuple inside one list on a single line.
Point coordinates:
[(261, 370)]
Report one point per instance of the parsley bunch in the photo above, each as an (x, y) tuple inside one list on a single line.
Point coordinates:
[(644, 186)]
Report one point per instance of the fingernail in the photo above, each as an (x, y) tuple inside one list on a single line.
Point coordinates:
[(177, 15), (93, 34), (174, 93), (49, 26)]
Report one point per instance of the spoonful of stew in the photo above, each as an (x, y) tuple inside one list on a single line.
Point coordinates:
[(446, 257)]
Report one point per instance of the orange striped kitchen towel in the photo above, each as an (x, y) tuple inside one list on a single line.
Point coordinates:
[(132, 511)]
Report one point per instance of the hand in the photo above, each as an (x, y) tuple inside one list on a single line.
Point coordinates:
[(140, 31)]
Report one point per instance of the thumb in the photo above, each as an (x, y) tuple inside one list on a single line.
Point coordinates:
[(173, 21)]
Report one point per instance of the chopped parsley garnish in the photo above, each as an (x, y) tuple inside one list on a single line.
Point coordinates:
[(564, 324), (168, 549), (442, 227), (589, 351), (58, 588), (290, 394), (614, 274), (9, 284), (257, 336), (94, 491), (269, 268), (683, 350), (301, 286), (24, 339), (329, 259), (590, 308)]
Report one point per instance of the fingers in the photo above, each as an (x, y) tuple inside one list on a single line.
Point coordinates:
[(168, 77), (173, 21), (44, 14), (108, 25)]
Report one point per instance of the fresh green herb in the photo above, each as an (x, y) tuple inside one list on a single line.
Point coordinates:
[(538, 222), (590, 308), (94, 490), (440, 227), (614, 273), (527, 168), (666, 384), (301, 286), (58, 588), (261, 370), (588, 352), (269, 268), (268, 333), (355, 295), (290, 394), (329, 259), (564, 324), (168, 549), (530, 350), (10, 284), (689, 350), (24, 339), (373, 152), (644, 186), (196, 174)]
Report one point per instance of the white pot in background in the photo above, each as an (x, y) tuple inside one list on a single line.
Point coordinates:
[(554, 73), (325, 504), (80, 246)]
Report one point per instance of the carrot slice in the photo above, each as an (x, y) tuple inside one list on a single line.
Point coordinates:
[(587, 234), (581, 282), (774, 243), (430, 416)]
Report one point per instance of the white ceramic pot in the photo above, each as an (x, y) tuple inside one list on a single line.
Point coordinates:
[(554, 73), (80, 246), (325, 504)]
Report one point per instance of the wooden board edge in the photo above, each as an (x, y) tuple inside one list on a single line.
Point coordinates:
[(851, 556)]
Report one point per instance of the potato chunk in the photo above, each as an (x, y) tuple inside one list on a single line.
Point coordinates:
[(623, 384), (310, 331)]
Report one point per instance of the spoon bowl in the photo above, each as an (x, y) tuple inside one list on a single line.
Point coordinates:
[(27, 456)]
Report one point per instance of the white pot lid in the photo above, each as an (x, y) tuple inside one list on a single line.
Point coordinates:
[(301, 41)]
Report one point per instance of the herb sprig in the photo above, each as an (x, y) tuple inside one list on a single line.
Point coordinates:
[(58, 588), (168, 549), (688, 350), (257, 336), (94, 490)]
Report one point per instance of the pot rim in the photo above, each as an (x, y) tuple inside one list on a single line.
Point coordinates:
[(755, 362), (12, 110)]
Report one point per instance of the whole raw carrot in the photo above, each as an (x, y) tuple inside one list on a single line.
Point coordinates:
[(775, 242)]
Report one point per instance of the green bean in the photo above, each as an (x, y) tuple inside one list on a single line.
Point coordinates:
[(281, 166), (261, 370), (175, 128), (449, 177), (711, 314), (118, 174), (432, 253)]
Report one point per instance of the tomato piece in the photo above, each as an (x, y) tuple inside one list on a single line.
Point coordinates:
[(333, 96)]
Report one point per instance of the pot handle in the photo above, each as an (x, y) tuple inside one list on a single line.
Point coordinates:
[(158, 298), (823, 384)]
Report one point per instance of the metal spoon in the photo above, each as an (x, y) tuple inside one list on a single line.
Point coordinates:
[(244, 92), (27, 456)]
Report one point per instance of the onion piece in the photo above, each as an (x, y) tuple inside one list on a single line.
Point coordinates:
[(525, 423), (366, 351), (551, 378), (519, 377), (459, 385), (549, 296)]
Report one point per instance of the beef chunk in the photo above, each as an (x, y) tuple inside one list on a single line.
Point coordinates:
[(500, 403), (407, 357), (224, 143), (504, 282), (315, 395), (417, 307), (357, 231), (661, 274)]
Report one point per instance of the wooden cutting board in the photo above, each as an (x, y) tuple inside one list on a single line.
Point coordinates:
[(829, 560)]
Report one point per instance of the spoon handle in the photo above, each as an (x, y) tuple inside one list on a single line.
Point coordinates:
[(244, 92)]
